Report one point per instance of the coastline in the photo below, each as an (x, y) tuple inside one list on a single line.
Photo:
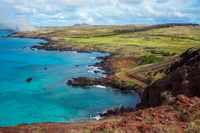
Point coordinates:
[(105, 64), (166, 105)]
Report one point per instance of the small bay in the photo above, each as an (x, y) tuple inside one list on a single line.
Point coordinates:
[(47, 98)]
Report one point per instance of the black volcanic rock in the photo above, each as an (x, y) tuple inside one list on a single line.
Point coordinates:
[(183, 78), (80, 81), (29, 79), (97, 71)]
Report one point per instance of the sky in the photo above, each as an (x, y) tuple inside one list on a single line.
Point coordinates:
[(98, 12)]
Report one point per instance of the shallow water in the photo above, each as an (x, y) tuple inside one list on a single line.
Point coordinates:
[(47, 98)]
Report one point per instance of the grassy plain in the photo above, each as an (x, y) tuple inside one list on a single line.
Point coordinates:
[(171, 39)]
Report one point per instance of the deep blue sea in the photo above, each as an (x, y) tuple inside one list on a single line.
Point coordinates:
[(47, 98)]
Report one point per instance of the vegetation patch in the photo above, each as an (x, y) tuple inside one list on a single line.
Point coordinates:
[(131, 83), (149, 60), (193, 127), (148, 118), (163, 53)]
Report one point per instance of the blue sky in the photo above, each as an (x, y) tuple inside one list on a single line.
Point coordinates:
[(100, 12)]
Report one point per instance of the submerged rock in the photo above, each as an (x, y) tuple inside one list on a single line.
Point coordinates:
[(29, 79)]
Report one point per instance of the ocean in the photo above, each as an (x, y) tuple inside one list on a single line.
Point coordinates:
[(47, 98)]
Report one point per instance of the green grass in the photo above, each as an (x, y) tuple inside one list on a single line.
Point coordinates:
[(170, 40), (131, 83), (149, 60), (148, 118)]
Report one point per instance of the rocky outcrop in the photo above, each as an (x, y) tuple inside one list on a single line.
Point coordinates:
[(110, 81), (183, 78), (81, 81), (186, 56), (29, 79), (116, 111), (106, 64)]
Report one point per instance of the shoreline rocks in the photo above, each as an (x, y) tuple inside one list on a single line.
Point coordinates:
[(110, 81), (116, 111)]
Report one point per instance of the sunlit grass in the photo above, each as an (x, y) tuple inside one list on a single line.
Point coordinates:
[(166, 39)]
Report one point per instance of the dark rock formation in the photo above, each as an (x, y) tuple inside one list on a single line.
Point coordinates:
[(29, 79), (110, 81), (105, 64), (190, 53), (80, 81), (97, 71), (183, 78), (115, 111)]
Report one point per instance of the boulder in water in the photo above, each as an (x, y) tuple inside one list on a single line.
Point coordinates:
[(29, 79)]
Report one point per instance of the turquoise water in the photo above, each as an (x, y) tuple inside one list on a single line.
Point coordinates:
[(47, 98)]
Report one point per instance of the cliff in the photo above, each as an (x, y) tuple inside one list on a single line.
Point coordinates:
[(183, 78)]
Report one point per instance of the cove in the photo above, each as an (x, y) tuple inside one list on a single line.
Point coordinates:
[(47, 98)]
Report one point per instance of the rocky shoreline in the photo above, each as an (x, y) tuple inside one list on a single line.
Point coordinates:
[(105, 65)]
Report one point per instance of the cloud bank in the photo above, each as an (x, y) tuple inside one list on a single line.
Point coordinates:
[(102, 12), (18, 24)]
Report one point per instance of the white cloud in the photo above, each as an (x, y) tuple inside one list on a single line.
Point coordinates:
[(77, 3), (102, 2), (14, 1), (161, 1), (132, 1), (23, 9), (67, 12), (17, 24), (85, 17)]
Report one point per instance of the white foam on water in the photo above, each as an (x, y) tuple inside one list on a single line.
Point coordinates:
[(100, 86), (92, 69), (98, 117), (93, 58)]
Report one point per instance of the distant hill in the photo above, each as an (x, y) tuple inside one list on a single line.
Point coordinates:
[(80, 24)]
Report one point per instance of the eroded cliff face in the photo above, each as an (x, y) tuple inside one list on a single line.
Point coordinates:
[(183, 78)]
